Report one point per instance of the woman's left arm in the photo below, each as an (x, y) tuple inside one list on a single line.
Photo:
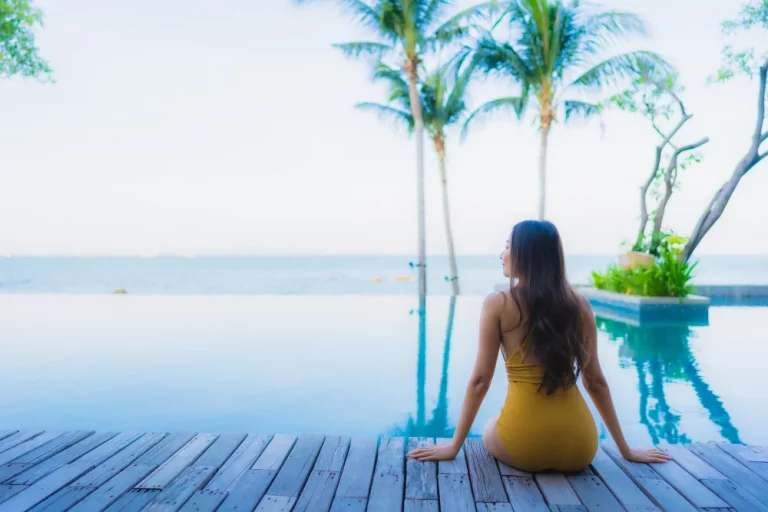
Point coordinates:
[(479, 382)]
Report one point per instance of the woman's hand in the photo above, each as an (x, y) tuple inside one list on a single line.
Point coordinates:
[(651, 455), (434, 453)]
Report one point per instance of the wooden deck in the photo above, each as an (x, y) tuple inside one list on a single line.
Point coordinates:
[(86, 472)]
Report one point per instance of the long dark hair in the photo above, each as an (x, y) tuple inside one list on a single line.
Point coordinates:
[(549, 307)]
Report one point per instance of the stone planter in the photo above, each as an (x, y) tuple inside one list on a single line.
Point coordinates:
[(636, 259), (693, 309)]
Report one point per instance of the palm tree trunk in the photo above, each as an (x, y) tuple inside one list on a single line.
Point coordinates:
[(418, 123), (545, 125), (440, 148)]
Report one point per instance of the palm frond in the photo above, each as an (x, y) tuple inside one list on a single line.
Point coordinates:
[(398, 87), (470, 16), (582, 109), (622, 66), (511, 103), (612, 23), (492, 56), (387, 113), (431, 11), (364, 49)]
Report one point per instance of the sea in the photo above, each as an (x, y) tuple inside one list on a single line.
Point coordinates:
[(306, 275)]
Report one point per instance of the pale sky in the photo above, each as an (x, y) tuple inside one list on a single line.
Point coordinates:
[(180, 126)]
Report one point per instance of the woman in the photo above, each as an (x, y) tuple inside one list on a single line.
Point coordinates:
[(547, 335)]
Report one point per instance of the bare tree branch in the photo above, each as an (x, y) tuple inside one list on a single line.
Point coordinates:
[(670, 177)]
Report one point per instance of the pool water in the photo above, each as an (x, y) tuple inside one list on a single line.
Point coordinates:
[(347, 365)]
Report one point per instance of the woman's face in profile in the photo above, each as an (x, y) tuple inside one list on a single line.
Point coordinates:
[(506, 261)]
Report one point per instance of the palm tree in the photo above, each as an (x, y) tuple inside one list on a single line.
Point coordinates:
[(552, 51), (407, 30), (442, 96)]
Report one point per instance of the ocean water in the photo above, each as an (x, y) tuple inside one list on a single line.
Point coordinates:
[(324, 275), (344, 365)]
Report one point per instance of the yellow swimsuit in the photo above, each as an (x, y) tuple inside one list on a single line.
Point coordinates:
[(541, 431)]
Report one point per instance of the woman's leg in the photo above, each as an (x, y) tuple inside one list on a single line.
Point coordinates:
[(493, 444)]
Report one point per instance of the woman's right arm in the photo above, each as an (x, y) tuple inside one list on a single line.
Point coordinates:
[(597, 386)]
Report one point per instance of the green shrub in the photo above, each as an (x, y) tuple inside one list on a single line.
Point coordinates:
[(669, 276)]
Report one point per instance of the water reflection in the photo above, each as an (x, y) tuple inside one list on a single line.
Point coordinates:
[(437, 425), (662, 354)]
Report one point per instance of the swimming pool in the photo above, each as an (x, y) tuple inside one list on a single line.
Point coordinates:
[(351, 365)]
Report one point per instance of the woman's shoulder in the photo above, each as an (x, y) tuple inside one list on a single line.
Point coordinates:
[(495, 302)]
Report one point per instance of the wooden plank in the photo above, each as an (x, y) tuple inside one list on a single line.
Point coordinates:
[(506, 470), (108, 459), (735, 496), (688, 486), (388, 483), (173, 467), (494, 507), (275, 453), (524, 494), (108, 493), (248, 491), (218, 453), (134, 453), (169, 445), (18, 438), (349, 505), (276, 504), (27, 446), (333, 454), (487, 486), (557, 491), (593, 493), (665, 495), (133, 501), (240, 461), (41, 489), (6, 491), (252, 487), (319, 491), (60, 459), (62, 500), (626, 491), (633, 469), (356, 477), (53, 447), (173, 497), (738, 451), (204, 501), (6, 433), (420, 477), (457, 466), (732, 469), (321, 485), (9, 471), (295, 470), (420, 505), (661, 492), (455, 493), (691, 463)]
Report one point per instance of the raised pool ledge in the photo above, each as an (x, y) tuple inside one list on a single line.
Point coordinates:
[(692, 309)]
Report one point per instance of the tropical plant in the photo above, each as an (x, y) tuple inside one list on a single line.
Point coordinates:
[(552, 51), (405, 31), (668, 276), (442, 96), (752, 63), (657, 99), (18, 51)]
